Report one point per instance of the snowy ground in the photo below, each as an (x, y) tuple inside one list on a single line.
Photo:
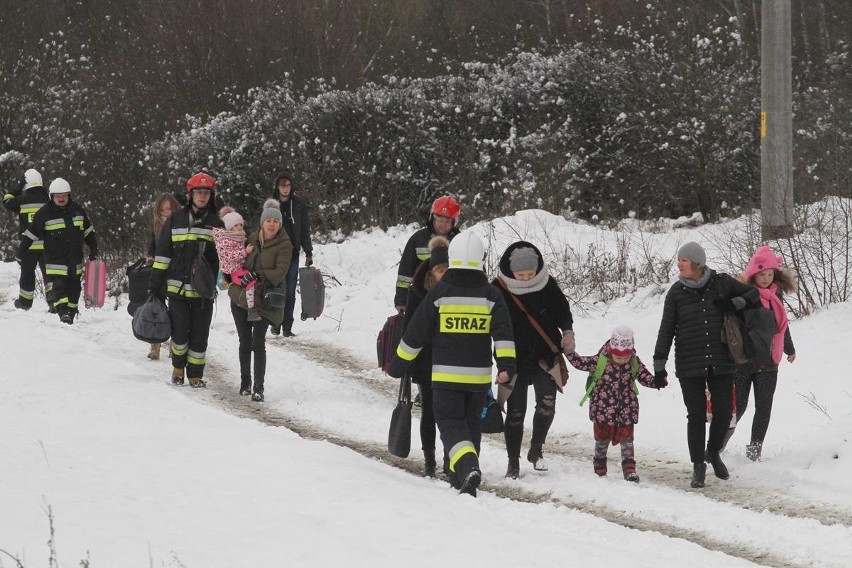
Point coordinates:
[(133, 472)]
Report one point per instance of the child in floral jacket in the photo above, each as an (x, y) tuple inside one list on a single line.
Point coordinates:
[(613, 400), (232, 251)]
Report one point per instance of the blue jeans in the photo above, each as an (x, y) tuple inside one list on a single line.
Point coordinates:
[(290, 280)]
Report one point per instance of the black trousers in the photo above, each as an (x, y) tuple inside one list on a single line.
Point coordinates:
[(427, 417), (64, 293), (764, 382), (459, 417), (721, 396), (190, 320), (516, 410), (26, 283), (252, 335)]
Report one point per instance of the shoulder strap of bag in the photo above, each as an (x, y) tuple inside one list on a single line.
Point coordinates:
[(594, 376), (533, 322)]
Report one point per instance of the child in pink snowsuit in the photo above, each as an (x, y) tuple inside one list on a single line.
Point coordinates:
[(230, 245)]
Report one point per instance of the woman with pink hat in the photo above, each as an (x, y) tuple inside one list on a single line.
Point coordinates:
[(764, 272)]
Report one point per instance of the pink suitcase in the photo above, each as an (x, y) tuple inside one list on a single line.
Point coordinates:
[(94, 283)]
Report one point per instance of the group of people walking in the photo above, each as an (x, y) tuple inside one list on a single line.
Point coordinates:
[(456, 322)]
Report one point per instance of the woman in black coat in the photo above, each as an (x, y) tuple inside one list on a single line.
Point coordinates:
[(523, 277), (693, 315), (426, 275)]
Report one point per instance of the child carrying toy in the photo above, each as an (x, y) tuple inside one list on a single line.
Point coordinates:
[(230, 245), (612, 393)]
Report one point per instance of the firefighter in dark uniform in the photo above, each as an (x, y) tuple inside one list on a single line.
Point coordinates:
[(64, 227), (459, 317), (25, 200), (443, 219), (188, 232)]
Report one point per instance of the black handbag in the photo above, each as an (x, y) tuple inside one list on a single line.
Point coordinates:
[(273, 296), (399, 434)]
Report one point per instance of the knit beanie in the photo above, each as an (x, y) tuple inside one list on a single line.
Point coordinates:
[(621, 342), (440, 251), (271, 211), (232, 219), (523, 258), (694, 252), (763, 259)]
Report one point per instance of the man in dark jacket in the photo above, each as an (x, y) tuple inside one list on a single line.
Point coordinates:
[(294, 212), (460, 317), (185, 235), (693, 315), (63, 226), (443, 221), (25, 200)]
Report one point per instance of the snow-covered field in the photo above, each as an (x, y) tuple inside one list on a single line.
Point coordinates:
[(131, 471)]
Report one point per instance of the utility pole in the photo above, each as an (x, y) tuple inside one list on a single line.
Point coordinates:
[(776, 120)]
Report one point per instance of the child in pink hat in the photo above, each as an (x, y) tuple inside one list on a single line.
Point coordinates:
[(232, 251), (613, 400), (766, 273)]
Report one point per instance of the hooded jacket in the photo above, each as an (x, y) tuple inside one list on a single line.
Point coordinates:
[(544, 301), (415, 252), (294, 213)]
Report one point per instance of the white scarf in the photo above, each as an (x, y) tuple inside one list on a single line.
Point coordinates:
[(534, 284)]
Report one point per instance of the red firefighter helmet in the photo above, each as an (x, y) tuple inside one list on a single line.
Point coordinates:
[(200, 180), (446, 206)]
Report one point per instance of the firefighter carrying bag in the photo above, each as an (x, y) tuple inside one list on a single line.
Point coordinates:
[(399, 433), (388, 340), (151, 322)]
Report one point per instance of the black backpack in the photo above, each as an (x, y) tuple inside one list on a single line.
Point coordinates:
[(138, 277), (748, 334)]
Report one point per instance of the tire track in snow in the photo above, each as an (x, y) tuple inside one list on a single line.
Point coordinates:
[(570, 448)]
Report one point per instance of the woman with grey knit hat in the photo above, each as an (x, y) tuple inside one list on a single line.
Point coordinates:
[(531, 293), (693, 316)]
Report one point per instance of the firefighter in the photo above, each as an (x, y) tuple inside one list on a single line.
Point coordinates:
[(63, 226), (27, 198), (443, 221), (187, 234), (459, 317)]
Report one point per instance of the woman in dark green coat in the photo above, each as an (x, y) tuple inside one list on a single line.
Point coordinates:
[(269, 256)]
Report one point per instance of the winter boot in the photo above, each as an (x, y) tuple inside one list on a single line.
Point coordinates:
[(22, 304), (67, 317), (514, 469), (275, 329), (471, 482), (429, 465), (177, 376), (418, 401), (257, 397), (699, 470), (536, 457), (154, 353), (753, 451), (628, 467), (600, 466), (719, 468), (197, 382)]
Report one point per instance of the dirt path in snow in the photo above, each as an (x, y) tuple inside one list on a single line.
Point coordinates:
[(571, 449)]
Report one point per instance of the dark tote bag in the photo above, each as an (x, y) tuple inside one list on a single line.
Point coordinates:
[(399, 434), (492, 415)]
